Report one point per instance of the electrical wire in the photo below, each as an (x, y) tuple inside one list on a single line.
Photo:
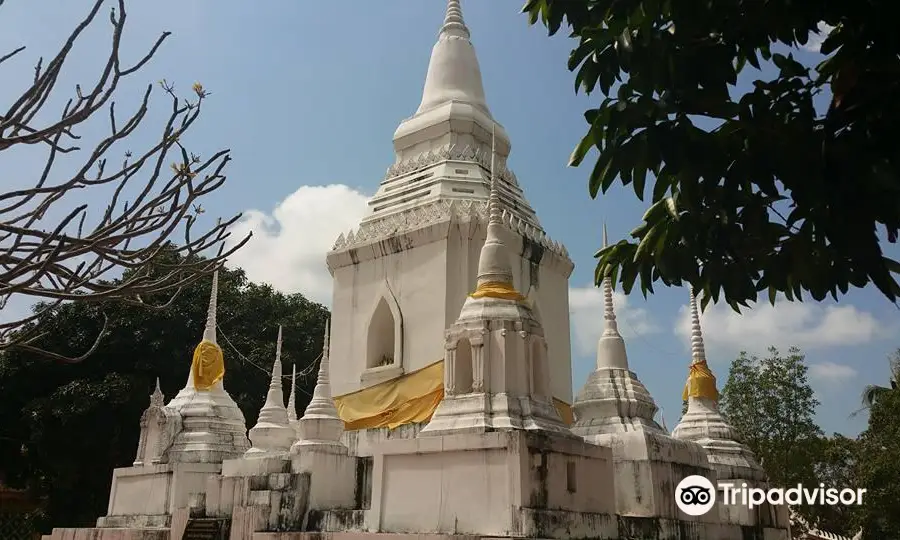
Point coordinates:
[(307, 370)]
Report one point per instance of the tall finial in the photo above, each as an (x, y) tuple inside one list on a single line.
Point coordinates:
[(454, 76), (698, 352), (322, 402), (494, 210), (611, 327), (454, 25), (209, 332), (292, 398), (494, 270), (322, 381), (276, 367)]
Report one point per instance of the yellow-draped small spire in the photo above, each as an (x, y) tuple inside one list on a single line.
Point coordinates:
[(208, 365), (494, 270), (701, 382)]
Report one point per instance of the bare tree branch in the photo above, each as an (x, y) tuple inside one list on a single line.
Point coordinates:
[(153, 197)]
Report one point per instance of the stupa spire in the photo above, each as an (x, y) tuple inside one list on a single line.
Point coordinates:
[(453, 73), (613, 401), (701, 383), (703, 422), (494, 269), (321, 401), (208, 365), (292, 398), (454, 25), (209, 332), (321, 428), (213, 426), (698, 351), (272, 432), (610, 327), (275, 397)]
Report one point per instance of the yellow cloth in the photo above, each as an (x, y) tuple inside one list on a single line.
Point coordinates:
[(565, 411), (208, 366), (497, 289), (409, 399), (701, 383)]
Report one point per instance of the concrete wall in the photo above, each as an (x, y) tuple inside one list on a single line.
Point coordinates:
[(494, 484)]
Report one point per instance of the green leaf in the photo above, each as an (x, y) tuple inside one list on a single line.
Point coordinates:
[(599, 172), (586, 143)]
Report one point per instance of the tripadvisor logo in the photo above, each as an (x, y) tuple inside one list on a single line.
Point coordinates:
[(696, 495)]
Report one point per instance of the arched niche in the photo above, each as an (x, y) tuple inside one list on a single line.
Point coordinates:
[(463, 369), (384, 333)]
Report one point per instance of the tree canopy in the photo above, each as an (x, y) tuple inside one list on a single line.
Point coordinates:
[(64, 427), (878, 470), (874, 392), (771, 189), (770, 403)]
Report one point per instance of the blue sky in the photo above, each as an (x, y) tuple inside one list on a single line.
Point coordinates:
[(307, 99)]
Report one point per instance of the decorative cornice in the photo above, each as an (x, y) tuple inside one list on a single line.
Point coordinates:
[(475, 154), (440, 211)]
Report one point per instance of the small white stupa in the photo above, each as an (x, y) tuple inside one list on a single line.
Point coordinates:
[(614, 409), (703, 424), (613, 400), (213, 427), (733, 462), (272, 433), (321, 428), (496, 369)]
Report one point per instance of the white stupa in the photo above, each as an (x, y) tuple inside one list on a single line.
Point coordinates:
[(704, 424), (614, 409), (213, 427), (495, 336), (272, 433), (321, 428), (613, 400)]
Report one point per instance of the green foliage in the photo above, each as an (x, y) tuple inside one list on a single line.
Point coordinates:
[(749, 192), (770, 403), (878, 470), (836, 467), (874, 392), (64, 427)]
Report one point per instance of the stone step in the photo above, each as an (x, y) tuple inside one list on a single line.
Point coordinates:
[(206, 529)]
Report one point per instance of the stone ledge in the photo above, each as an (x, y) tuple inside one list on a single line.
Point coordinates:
[(375, 375), (108, 534), (145, 521), (361, 536)]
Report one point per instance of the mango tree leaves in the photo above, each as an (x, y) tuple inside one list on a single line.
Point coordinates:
[(763, 192)]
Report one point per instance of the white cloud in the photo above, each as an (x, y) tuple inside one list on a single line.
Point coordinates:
[(830, 372), (586, 317), (805, 325), (816, 40), (289, 245)]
